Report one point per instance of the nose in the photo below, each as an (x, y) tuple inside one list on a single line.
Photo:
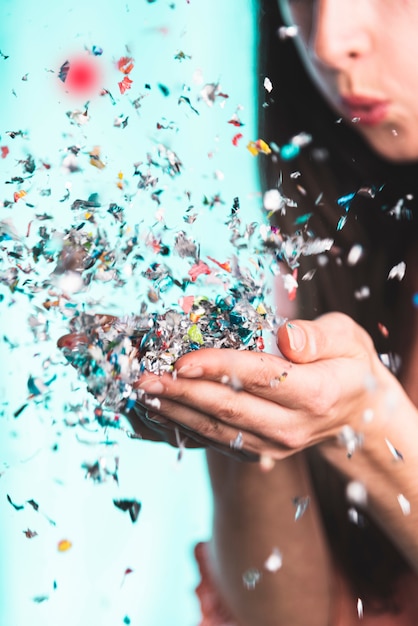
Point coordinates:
[(341, 32)]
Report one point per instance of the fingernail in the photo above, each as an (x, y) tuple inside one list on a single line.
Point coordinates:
[(297, 338), (151, 386), (190, 371)]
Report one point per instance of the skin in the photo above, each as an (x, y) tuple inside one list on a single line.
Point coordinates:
[(365, 48)]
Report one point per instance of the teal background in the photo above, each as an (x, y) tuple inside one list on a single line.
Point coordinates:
[(43, 449)]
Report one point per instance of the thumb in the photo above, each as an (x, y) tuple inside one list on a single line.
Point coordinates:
[(330, 336)]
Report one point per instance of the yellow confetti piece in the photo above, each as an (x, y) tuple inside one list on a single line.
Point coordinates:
[(64, 545), (251, 146), (255, 147)]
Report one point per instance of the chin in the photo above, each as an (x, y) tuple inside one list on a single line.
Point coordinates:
[(395, 148)]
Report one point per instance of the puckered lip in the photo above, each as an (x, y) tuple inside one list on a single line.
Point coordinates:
[(365, 110)]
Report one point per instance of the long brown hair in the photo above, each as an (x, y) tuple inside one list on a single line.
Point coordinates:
[(356, 198)]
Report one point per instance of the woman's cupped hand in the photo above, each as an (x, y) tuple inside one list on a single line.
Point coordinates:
[(325, 387)]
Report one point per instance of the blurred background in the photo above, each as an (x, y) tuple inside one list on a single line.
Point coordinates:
[(121, 124)]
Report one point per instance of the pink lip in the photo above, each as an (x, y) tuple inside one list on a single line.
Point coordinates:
[(366, 111)]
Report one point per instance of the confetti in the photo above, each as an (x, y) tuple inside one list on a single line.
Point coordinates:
[(301, 503), (181, 56), (125, 84), (274, 562), (268, 86), (360, 611), (238, 442), (288, 32), (350, 439), (356, 493), (251, 577), (355, 254), (236, 138), (125, 65), (126, 573), (40, 599), (383, 330), (404, 504), (355, 517), (17, 507), (258, 147), (289, 151), (394, 452), (397, 271), (64, 545), (133, 507)]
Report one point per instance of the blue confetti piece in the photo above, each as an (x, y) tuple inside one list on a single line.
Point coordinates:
[(289, 152), (341, 222)]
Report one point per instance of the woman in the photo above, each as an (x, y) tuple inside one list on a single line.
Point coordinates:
[(333, 500), (328, 419)]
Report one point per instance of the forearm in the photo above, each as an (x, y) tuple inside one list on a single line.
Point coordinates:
[(255, 513), (387, 465)]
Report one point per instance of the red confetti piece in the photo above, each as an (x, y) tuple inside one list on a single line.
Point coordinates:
[(18, 195), (125, 84), (197, 269), (235, 122), (125, 65), (4, 151), (236, 138), (259, 343), (186, 303), (225, 266), (125, 574)]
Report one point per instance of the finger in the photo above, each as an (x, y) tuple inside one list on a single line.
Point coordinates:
[(255, 372), (330, 336), (227, 412), (190, 438), (154, 427), (308, 388), (229, 439)]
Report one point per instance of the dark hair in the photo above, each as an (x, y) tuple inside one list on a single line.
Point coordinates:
[(379, 215)]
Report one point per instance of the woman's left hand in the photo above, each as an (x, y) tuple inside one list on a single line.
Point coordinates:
[(326, 386)]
